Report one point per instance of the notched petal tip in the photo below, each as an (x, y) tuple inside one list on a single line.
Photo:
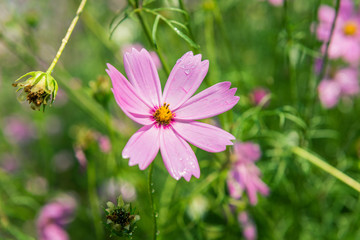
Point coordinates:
[(205, 63), (189, 53), (110, 67), (134, 50)]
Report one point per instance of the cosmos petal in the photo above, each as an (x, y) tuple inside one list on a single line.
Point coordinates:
[(127, 98), (185, 78), (208, 103), (143, 146), (204, 136), (178, 157), (142, 73)]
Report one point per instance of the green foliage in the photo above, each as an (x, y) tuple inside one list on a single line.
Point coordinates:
[(249, 43)]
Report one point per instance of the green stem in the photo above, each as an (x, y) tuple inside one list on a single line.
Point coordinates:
[(325, 58), (327, 167), (152, 202), (67, 36), (94, 201)]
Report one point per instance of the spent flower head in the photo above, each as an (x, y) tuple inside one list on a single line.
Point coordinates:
[(39, 89), (121, 218)]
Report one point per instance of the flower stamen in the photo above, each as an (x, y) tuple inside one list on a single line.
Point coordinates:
[(163, 115)]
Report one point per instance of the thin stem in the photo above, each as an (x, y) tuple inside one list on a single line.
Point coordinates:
[(93, 199), (67, 36), (152, 202), (325, 57), (327, 167)]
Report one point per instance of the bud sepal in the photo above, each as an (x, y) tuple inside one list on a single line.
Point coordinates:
[(121, 218)]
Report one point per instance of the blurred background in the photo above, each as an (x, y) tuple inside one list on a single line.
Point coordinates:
[(58, 168)]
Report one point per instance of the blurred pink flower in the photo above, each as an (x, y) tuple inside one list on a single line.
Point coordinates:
[(259, 95), (9, 163), (244, 175), (138, 46), (249, 228), (53, 217), (104, 144), (53, 232), (345, 42), (113, 188), (329, 93), (168, 117), (81, 157), (18, 130), (276, 3), (348, 81), (344, 83)]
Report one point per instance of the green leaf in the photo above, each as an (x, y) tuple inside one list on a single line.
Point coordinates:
[(154, 30), (295, 119), (180, 25), (147, 2), (27, 74), (183, 35), (172, 9), (118, 24), (174, 28)]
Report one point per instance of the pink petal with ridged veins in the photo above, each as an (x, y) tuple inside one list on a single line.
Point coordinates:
[(204, 136), (127, 98), (142, 73), (143, 146), (185, 78), (208, 103), (178, 157)]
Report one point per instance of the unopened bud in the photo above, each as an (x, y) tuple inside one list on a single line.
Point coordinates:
[(121, 219)]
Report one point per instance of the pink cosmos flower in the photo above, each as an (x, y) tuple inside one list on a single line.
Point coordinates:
[(168, 117), (9, 163), (259, 95), (344, 83), (249, 228), (18, 129), (329, 93), (244, 174), (81, 157), (53, 217), (276, 3), (345, 42), (348, 81), (104, 143)]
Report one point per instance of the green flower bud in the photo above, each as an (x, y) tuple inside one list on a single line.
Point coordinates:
[(121, 219), (39, 89)]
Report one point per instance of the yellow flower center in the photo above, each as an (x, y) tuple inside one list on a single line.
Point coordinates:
[(350, 28), (163, 115)]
